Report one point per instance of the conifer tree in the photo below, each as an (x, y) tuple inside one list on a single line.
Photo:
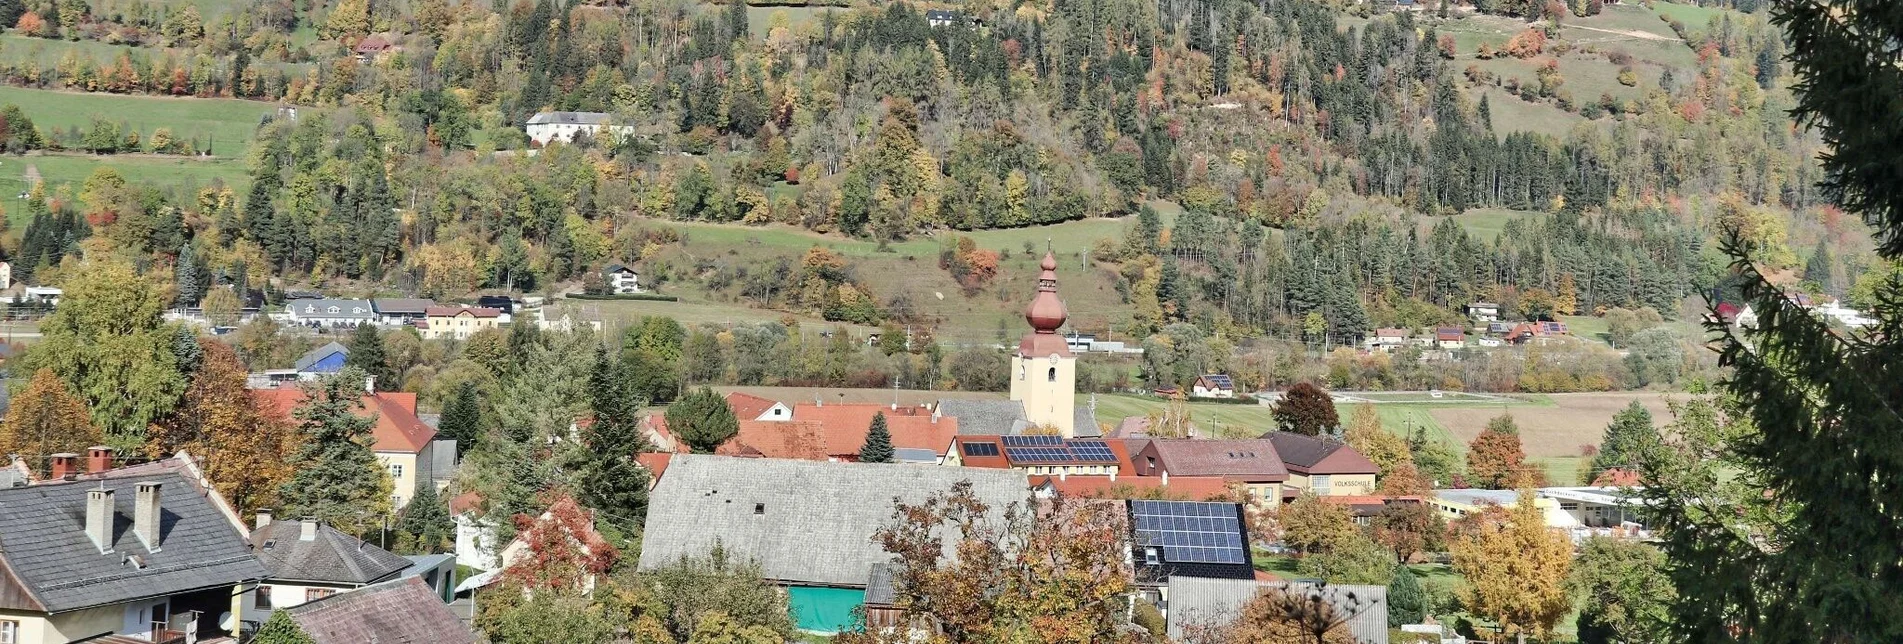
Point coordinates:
[(185, 278), (425, 527), (367, 354), (339, 481), (1630, 433), (878, 447), (462, 418), (702, 419), (1405, 599), (612, 481)]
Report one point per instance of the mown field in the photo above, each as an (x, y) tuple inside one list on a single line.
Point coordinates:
[(760, 20), (1487, 223), (226, 125)]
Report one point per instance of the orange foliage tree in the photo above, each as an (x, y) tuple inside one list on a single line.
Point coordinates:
[(244, 448), (1495, 459), (1515, 567), (47, 419), (563, 549), (1526, 44)]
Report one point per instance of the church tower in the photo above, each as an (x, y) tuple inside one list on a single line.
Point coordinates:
[(1043, 371)]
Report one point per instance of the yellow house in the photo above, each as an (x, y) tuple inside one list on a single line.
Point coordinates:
[(1323, 466), (458, 322), (148, 552), (404, 445)]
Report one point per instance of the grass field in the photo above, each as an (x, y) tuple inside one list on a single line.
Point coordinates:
[(1694, 16), (72, 169), (762, 19), (1510, 114), (227, 124), (1487, 223), (1214, 419), (619, 314), (1554, 426)]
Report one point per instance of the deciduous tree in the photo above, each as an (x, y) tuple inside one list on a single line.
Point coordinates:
[(1306, 409), (107, 342), (1313, 526), (1495, 459), (1515, 568), (46, 419), (244, 448), (1366, 436), (1623, 592), (1407, 528)]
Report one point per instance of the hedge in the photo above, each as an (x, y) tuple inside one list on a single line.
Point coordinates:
[(656, 297)]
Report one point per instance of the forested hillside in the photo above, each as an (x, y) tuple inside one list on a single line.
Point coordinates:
[(1329, 162)]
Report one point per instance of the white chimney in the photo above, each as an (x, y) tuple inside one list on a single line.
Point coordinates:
[(145, 515), (1113, 475), (1063, 475), (308, 530), (264, 517), (1166, 477), (99, 518), (370, 384)]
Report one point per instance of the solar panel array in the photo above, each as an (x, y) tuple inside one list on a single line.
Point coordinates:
[(981, 449), (1191, 531), (1056, 450)]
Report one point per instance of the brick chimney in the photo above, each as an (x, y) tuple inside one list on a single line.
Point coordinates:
[(63, 465), (98, 459), (99, 518), (145, 515)]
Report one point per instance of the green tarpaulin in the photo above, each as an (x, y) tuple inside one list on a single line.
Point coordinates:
[(824, 610)]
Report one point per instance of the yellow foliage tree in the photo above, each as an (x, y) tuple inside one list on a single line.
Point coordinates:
[(1366, 436), (46, 419), (1515, 568), (243, 447)]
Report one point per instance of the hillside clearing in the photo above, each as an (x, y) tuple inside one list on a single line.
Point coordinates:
[(225, 126)]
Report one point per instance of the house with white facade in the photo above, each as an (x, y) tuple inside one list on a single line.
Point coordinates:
[(545, 127), (331, 313), (621, 279)]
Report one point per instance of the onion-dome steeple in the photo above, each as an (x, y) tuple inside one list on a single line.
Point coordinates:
[(1046, 313)]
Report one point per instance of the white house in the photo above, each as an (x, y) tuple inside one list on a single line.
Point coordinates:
[(621, 279), (1484, 311), (1449, 337), (331, 313), (1489, 341), (563, 126), (44, 295), (6, 275), (1387, 339), (1213, 385)]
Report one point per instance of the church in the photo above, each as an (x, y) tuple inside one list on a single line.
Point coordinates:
[(1043, 378)]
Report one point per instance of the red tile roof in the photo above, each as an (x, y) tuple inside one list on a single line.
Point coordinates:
[(1252, 460), (748, 406), (838, 433), (656, 463), (997, 462), (397, 429), (1186, 488)]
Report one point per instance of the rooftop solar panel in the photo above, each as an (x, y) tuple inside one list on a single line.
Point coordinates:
[(981, 449), (1191, 532)]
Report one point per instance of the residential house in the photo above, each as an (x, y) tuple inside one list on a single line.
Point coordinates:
[(621, 279), (836, 432), (1202, 603), (144, 553), (1045, 455), (809, 525), (6, 275), (475, 534), (1213, 385), (45, 295), (1365, 507), (546, 127), (310, 561), (375, 47), (1323, 466), (1602, 507), (1489, 341), (1251, 462), (400, 311), (327, 359), (1385, 340), (399, 610), (750, 407), (404, 445), (1188, 538), (1483, 312), (1450, 337), (331, 313), (943, 18), (458, 322)]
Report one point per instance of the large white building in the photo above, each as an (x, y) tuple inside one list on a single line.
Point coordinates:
[(563, 126)]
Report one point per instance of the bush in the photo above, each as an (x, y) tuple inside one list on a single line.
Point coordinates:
[(655, 297)]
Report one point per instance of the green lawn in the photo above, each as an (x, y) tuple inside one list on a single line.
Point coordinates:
[(1067, 238), (1215, 419), (226, 124), (1694, 16), (1487, 223), (1510, 114), (58, 169), (762, 19), (1586, 326), (48, 52)]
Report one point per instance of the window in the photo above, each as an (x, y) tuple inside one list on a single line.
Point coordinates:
[(396, 471), (264, 598), (1149, 557), (9, 632), (333, 309), (1569, 507), (1322, 484), (759, 508), (314, 594)]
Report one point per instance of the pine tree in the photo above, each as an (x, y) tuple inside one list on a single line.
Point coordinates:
[(425, 527), (1405, 599), (1629, 435), (702, 419), (185, 278), (1818, 269), (462, 418), (367, 353), (612, 481), (878, 447), (340, 481)]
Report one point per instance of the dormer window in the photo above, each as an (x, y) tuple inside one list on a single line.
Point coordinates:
[(333, 309)]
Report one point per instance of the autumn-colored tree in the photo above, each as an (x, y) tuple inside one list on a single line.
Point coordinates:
[(1318, 615), (1055, 578), (46, 419), (1306, 409), (1496, 461), (1386, 449), (1526, 44), (1313, 526), (1404, 480), (562, 549), (244, 448), (1172, 421), (1515, 567), (1408, 528)]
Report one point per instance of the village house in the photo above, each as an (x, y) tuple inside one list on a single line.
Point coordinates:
[(1170, 539), (1450, 338), (1112, 486), (943, 18), (621, 279), (837, 431), (546, 127), (6, 275), (400, 311), (314, 364), (750, 407), (310, 561), (1387, 339), (1483, 312), (44, 295), (374, 47), (143, 553), (399, 610), (1251, 462), (809, 525), (1213, 385), (404, 445), (1323, 466), (458, 322), (330, 313)]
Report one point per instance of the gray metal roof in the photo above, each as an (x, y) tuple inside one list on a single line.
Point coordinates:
[(402, 305), (814, 520), (880, 589), (1478, 497), (43, 541), (569, 118), (983, 417), (330, 556), (346, 309), (1084, 423), (311, 357), (1205, 602)]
